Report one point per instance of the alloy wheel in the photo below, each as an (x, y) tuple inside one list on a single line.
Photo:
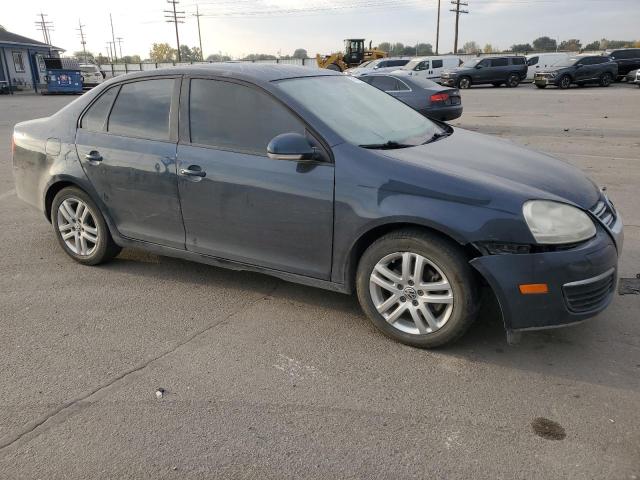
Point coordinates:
[(565, 82), (77, 227), (464, 82), (411, 293)]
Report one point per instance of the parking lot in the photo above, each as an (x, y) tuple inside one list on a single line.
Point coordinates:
[(266, 379)]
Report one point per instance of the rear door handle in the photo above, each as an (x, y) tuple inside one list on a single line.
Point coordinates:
[(93, 156), (193, 171)]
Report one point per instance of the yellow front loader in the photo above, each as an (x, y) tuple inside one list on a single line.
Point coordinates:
[(354, 54)]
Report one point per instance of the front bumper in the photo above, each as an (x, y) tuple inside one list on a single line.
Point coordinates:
[(544, 80), (581, 281), (449, 82)]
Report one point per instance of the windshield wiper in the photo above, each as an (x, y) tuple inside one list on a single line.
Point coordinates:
[(437, 136), (390, 145)]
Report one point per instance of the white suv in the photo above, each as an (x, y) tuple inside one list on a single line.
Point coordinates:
[(91, 75)]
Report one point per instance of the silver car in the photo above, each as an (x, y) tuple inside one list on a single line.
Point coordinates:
[(379, 65)]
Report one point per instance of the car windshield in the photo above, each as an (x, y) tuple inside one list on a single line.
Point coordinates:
[(362, 65), (360, 113), (569, 62), (412, 64), (472, 63)]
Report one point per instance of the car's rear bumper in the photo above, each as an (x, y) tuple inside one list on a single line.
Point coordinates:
[(443, 113), (581, 282)]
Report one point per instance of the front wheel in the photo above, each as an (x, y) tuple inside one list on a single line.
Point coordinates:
[(565, 82), (606, 79), (464, 82), (80, 228), (513, 80), (417, 288)]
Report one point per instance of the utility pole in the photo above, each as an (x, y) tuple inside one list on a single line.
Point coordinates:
[(457, 11), (175, 17), (113, 39), (438, 30), (198, 15), (119, 39), (44, 26), (82, 40), (109, 44)]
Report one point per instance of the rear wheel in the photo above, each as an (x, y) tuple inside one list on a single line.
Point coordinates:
[(464, 82), (564, 82), (513, 80), (80, 228), (606, 79), (417, 288), (540, 86)]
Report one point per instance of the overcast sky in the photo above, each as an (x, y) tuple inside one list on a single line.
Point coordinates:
[(239, 27)]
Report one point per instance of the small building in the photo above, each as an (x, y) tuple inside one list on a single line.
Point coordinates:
[(22, 61)]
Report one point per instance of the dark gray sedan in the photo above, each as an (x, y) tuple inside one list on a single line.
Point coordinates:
[(318, 178), (425, 96)]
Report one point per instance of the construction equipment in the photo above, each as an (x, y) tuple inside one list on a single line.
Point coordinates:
[(354, 54)]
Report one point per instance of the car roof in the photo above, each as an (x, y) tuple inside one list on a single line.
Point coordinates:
[(251, 72), (405, 76)]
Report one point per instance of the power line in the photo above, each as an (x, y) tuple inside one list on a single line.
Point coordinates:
[(175, 17), (198, 15), (457, 11)]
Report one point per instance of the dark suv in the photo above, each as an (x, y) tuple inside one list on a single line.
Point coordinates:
[(628, 59), (492, 70), (579, 69)]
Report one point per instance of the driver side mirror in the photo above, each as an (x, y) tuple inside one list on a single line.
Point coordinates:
[(291, 146)]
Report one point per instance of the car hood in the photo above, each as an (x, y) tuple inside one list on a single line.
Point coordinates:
[(552, 69), (456, 70), (502, 166)]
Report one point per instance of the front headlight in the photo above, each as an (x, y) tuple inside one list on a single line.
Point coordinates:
[(557, 223)]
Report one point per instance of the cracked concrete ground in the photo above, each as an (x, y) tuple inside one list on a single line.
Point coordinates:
[(266, 379)]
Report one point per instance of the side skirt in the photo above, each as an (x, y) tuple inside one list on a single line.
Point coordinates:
[(228, 264)]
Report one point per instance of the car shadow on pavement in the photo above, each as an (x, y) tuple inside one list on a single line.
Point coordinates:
[(594, 352)]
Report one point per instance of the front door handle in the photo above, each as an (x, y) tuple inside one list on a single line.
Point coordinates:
[(93, 156), (193, 171)]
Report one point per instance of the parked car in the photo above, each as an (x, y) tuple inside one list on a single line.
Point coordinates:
[(541, 61), (355, 192), (488, 70), (634, 77), (578, 69), (628, 59), (431, 68), (425, 96), (91, 75), (379, 65)]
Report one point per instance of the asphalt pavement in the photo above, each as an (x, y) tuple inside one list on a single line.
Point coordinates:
[(152, 367)]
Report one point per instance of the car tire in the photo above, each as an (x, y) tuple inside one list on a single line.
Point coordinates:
[(513, 81), (496, 84), (443, 263), (80, 228), (335, 67), (541, 86), (564, 82), (606, 79), (464, 82)]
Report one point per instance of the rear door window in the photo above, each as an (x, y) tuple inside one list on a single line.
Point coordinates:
[(142, 110), (237, 117), (499, 62), (94, 119), (436, 64)]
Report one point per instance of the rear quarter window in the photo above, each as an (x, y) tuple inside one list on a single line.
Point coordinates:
[(94, 119)]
